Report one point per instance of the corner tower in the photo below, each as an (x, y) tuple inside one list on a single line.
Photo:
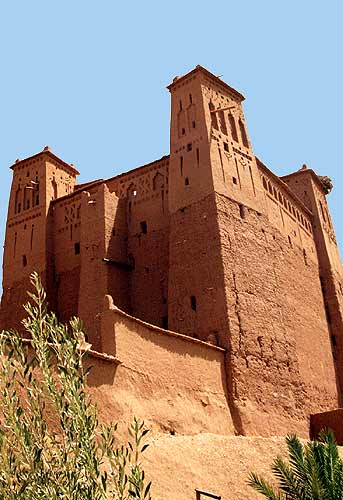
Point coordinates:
[(312, 190), (37, 181)]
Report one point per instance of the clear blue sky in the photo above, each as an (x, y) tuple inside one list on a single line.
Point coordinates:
[(88, 79)]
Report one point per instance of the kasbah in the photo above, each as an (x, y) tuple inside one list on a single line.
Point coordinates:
[(211, 291)]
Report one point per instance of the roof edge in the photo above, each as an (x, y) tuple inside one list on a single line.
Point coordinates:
[(208, 73), (311, 172), (48, 152), (285, 186)]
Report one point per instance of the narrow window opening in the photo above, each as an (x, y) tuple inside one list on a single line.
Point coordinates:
[(243, 133), (226, 147), (242, 211), (77, 248), (234, 180), (233, 128), (181, 166), (189, 147), (54, 188), (190, 98), (193, 124), (198, 157), (17, 202), (180, 105), (193, 303), (15, 244), (27, 204), (144, 227), (222, 122), (186, 181), (24, 261), (214, 120), (322, 210), (165, 322), (183, 131), (31, 239)]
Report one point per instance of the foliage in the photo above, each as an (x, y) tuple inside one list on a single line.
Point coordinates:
[(314, 471), (51, 444), (326, 183)]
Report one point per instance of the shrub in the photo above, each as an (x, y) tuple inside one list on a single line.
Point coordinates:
[(51, 444), (314, 471)]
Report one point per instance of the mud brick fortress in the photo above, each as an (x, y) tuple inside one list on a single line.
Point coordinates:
[(214, 283)]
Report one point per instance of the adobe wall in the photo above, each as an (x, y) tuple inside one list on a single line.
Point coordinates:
[(197, 305), (176, 384), (281, 358), (113, 238), (287, 213), (66, 224), (144, 193)]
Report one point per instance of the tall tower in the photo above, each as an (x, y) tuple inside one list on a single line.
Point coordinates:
[(37, 181), (210, 153), (312, 190)]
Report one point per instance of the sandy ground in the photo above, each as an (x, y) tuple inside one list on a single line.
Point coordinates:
[(218, 464)]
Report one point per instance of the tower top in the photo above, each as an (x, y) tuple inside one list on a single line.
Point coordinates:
[(200, 69), (47, 151)]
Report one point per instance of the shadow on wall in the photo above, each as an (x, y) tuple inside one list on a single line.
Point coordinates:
[(160, 375)]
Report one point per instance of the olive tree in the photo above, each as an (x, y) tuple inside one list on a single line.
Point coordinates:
[(51, 443)]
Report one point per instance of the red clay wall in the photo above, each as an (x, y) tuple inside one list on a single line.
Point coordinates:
[(282, 364), (144, 193), (195, 270), (176, 384)]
